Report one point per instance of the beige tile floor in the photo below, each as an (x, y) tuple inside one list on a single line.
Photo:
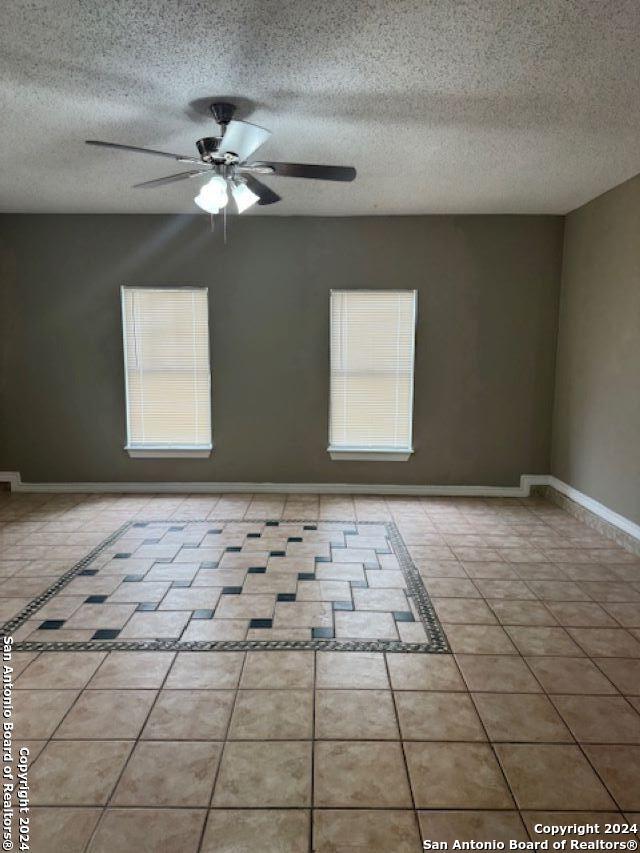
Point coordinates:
[(535, 717)]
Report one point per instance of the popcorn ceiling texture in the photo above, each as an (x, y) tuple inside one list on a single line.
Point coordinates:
[(522, 106)]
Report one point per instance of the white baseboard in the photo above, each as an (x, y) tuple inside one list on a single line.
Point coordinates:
[(521, 491), (526, 481), (595, 507)]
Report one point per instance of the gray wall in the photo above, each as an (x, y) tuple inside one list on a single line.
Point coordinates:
[(486, 340), (596, 428)]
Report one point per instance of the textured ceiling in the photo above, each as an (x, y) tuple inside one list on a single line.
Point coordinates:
[(525, 106)]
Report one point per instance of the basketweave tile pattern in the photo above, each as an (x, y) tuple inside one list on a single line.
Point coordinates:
[(236, 585)]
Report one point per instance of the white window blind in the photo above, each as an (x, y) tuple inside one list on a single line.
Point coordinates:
[(372, 358), (168, 377)]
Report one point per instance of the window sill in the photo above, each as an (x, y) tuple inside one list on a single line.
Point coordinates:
[(169, 452), (355, 454)]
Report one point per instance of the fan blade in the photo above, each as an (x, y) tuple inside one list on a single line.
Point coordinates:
[(242, 139), (158, 182), (265, 194), (308, 170), (137, 150)]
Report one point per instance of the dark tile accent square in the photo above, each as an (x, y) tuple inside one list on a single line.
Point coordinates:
[(273, 523), (146, 606), (277, 553), (231, 590), (140, 524), (359, 584), (202, 614), (254, 535), (106, 634), (309, 526), (121, 556), (88, 572), (95, 599), (403, 616), (215, 530), (322, 559), (306, 576), (260, 623), (342, 605), (133, 578), (322, 633), (180, 584), (51, 624), (233, 549), (209, 564), (286, 596), (256, 570), (294, 539)]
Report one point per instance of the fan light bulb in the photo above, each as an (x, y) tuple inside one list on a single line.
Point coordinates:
[(243, 196), (213, 195)]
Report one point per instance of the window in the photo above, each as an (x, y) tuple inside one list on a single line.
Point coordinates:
[(167, 373), (372, 354)]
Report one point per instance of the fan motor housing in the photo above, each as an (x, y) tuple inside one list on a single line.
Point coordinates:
[(208, 145)]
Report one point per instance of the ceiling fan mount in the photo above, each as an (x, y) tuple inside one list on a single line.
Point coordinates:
[(224, 160)]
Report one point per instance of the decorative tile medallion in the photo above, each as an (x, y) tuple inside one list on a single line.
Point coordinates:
[(237, 585)]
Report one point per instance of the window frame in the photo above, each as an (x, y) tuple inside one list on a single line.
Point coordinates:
[(159, 451), (348, 453)]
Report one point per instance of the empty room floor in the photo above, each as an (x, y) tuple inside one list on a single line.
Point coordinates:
[(304, 672)]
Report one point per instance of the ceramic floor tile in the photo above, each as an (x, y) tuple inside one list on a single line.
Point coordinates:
[(199, 630), (469, 611), (200, 598), (361, 774), (62, 830), (521, 717), (376, 831), (438, 716), (169, 773), (468, 826), (543, 641), (77, 773), (456, 775), (272, 715), (569, 675), (606, 642), (598, 719), (148, 831), (581, 614), (205, 670), (356, 670), (107, 714), (157, 625), (365, 625), (264, 774), (623, 672), (60, 670), (521, 612), (617, 766), (479, 639), (544, 776), (270, 831), (123, 670), (497, 673), (97, 616), (355, 715), (36, 713), (189, 715), (277, 670)]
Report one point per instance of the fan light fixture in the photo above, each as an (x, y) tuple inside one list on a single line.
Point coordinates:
[(213, 195), (243, 196)]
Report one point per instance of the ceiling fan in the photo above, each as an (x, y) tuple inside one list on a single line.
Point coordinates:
[(223, 161)]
